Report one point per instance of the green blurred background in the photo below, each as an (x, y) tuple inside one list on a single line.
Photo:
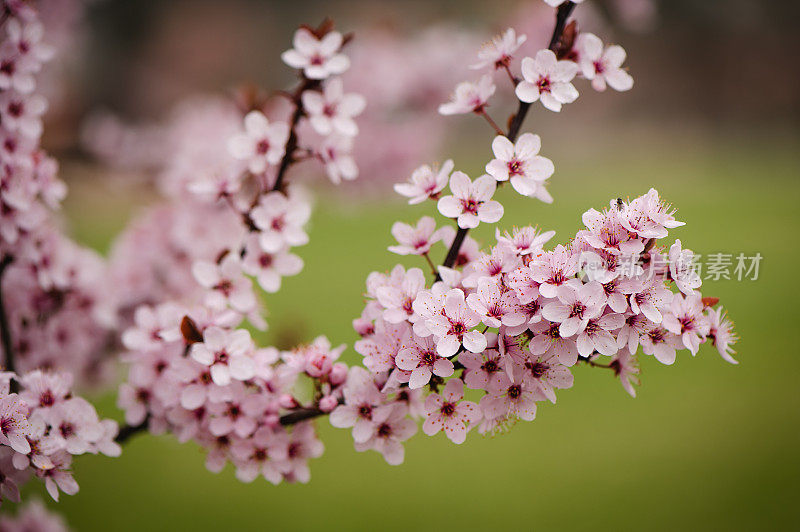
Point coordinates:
[(705, 445)]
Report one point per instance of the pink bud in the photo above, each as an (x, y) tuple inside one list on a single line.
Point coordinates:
[(338, 374), (287, 401), (328, 403)]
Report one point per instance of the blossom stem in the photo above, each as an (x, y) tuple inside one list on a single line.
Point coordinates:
[(511, 76), (5, 327), (302, 414), (595, 364), (562, 14), (492, 123), (430, 263)]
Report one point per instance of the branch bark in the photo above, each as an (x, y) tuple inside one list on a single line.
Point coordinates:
[(5, 327)]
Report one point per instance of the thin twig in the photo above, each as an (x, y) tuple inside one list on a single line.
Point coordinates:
[(127, 431), (5, 325), (492, 123)]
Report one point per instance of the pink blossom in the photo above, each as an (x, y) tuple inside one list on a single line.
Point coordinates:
[(606, 232), (682, 269), (648, 216), (686, 318), (525, 240), (14, 425), (648, 296), (415, 240), (521, 163), (269, 267), (509, 398), (552, 269), (603, 67), (280, 220), (336, 155), (577, 304), (546, 373), (226, 284), (626, 369), (227, 353), (398, 299), (661, 344), (471, 202), (452, 326), (498, 52), (332, 109), (263, 454), (721, 334), (483, 369), (496, 306), (425, 182), (469, 97), (419, 356), (548, 339), (449, 413), (547, 79), (390, 427), (262, 143), (596, 336), (319, 58)]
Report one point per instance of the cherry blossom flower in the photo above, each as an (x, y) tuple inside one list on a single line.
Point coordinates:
[(498, 52), (398, 300), (419, 357), (361, 399), (263, 143), (471, 202), (22, 114), (483, 369), (332, 109), (425, 182), (626, 369), (511, 398), (596, 336), (547, 373), (495, 306), (336, 155), (577, 304), (648, 216), (721, 334), (280, 220), (686, 319), (14, 425), (227, 353), (648, 296), (261, 454), (452, 326), (449, 413), (469, 97), (390, 428), (521, 163), (266, 267), (682, 269), (547, 79), (606, 232), (415, 240), (318, 57), (552, 269), (525, 240), (601, 66), (226, 284), (500, 261), (661, 344)]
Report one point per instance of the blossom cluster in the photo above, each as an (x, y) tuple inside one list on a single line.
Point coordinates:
[(60, 314), (194, 371), (33, 516), (512, 321), (42, 427)]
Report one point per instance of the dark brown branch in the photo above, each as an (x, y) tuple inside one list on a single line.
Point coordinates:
[(5, 325), (127, 431), (562, 14), (291, 143)]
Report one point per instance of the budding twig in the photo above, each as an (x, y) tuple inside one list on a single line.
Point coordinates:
[(562, 14)]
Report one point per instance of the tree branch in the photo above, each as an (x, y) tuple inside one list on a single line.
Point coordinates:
[(127, 431), (5, 326), (291, 143)]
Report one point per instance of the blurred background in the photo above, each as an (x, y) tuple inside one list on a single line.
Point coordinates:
[(713, 122)]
